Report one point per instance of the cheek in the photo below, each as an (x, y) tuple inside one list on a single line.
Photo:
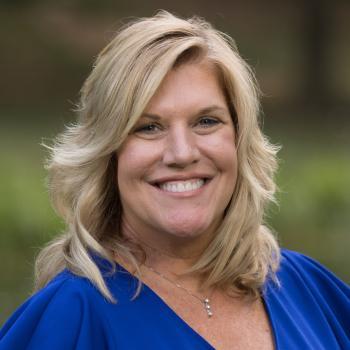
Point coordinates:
[(222, 150), (135, 159), (228, 149)]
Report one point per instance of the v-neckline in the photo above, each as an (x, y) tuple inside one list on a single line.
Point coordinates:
[(184, 324)]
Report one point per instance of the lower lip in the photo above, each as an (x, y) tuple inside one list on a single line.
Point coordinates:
[(184, 194)]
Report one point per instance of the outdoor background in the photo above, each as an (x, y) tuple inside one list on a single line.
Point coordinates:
[(301, 55)]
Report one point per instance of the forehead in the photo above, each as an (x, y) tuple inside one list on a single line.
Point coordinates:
[(187, 88)]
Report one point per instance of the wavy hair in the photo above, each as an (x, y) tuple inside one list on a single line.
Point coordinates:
[(82, 164)]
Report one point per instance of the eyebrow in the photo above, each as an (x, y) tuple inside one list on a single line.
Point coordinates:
[(205, 110), (213, 108)]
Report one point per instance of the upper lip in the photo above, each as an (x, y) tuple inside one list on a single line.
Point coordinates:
[(180, 177)]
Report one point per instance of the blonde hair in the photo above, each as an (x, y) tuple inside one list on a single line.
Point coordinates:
[(82, 166)]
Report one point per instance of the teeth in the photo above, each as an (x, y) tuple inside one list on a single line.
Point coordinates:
[(182, 186)]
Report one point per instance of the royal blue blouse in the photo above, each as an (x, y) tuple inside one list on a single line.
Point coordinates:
[(310, 310)]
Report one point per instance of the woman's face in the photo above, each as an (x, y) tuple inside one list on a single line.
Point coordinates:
[(177, 169)]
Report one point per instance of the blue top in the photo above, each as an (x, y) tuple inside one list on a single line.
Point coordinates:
[(311, 310)]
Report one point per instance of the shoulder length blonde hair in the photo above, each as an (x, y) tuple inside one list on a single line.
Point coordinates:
[(82, 166)]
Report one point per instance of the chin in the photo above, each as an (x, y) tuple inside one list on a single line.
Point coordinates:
[(183, 229)]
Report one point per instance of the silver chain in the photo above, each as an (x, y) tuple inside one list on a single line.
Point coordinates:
[(205, 301)]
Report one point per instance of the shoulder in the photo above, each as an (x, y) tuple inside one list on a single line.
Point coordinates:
[(57, 317), (310, 307), (297, 267), (311, 297)]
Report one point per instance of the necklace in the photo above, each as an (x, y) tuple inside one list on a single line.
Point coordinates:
[(205, 301)]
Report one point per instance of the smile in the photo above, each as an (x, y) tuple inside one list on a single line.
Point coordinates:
[(182, 186)]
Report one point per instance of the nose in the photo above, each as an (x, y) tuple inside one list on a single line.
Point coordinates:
[(181, 148)]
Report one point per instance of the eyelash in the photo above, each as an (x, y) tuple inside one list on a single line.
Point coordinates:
[(208, 122), (145, 128), (151, 128)]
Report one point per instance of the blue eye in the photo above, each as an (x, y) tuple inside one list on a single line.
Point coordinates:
[(207, 122), (150, 128)]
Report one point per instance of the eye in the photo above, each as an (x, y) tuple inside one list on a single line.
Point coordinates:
[(149, 129), (207, 122)]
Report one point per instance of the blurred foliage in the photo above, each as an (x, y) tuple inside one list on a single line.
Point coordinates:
[(312, 215), (48, 49)]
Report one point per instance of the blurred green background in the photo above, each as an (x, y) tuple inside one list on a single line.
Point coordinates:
[(300, 52)]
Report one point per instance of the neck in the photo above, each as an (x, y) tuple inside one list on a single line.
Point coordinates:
[(174, 255)]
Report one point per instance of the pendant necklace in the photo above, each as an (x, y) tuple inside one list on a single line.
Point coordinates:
[(205, 301)]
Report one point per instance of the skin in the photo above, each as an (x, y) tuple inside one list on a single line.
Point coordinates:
[(185, 134)]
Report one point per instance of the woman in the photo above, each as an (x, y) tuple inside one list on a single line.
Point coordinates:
[(163, 183)]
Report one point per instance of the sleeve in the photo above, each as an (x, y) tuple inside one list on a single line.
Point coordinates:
[(58, 317), (332, 294)]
